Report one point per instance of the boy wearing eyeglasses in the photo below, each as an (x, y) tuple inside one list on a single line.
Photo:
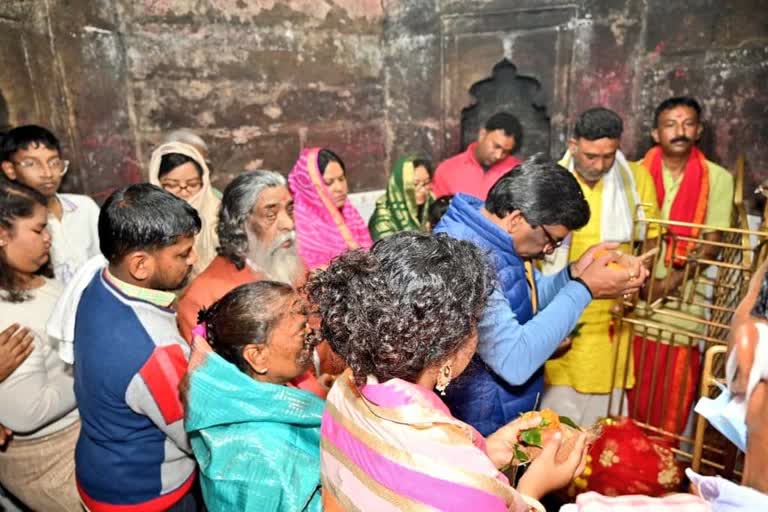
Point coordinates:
[(31, 155)]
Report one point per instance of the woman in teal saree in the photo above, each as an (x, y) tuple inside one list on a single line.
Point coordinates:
[(255, 438), (405, 205)]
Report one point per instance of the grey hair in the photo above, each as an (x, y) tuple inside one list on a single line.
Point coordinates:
[(187, 137), (238, 201)]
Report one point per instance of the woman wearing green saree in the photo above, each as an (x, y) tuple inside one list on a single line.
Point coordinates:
[(405, 205)]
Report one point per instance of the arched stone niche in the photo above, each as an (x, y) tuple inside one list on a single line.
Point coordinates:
[(506, 90)]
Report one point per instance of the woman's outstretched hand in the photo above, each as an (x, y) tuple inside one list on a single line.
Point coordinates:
[(500, 446), (545, 475)]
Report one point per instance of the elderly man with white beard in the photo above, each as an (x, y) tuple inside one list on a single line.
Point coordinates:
[(257, 241)]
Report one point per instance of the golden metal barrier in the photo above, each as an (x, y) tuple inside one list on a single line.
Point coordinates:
[(720, 458), (692, 320)]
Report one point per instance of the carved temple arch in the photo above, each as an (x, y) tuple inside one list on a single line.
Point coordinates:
[(506, 90)]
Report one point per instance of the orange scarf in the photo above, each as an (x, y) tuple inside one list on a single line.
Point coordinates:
[(689, 205)]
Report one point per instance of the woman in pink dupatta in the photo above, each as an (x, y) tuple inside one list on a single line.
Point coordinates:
[(327, 224), (404, 317)]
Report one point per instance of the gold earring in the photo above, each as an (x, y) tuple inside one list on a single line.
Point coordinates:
[(443, 379)]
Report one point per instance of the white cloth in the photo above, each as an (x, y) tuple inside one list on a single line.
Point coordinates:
[(74, 238), (61, 324), (617, 219), (583, 408), (617, 214), (38, 398), (726, 496)]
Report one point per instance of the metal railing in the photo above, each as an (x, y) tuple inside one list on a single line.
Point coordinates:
[(665, 338)]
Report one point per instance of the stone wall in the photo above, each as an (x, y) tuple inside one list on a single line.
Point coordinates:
[(260, 80), (627, 55), (257, 79), (374, 79)]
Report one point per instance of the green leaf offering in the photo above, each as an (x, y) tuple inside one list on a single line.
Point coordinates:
[(531, 437), (520, 455), (568, 421)]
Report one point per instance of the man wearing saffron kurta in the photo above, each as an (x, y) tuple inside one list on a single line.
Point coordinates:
[(580, 380), (475, 170), (692, 189), (256, 243)]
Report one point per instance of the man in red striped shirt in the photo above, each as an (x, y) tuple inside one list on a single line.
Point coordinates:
[(133, 453)]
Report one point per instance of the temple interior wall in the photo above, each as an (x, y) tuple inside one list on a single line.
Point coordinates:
[(372, 79)]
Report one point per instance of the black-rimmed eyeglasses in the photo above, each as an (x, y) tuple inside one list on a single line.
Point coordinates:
[(551, 240)]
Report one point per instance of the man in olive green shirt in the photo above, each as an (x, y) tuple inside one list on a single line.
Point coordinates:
[(691, 189)]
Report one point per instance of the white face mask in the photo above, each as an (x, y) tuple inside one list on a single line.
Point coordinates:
[(728, 414)]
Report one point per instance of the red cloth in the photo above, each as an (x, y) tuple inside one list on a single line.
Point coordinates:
[(162, 373), (463, 173), (308, 382), (677, 371), (690, 203), (625, 460), (164, 502)]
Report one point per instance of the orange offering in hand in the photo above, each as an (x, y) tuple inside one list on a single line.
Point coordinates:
[(531, 441), (624, 261)]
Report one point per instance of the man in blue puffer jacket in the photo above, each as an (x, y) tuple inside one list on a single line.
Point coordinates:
[(528, 213)]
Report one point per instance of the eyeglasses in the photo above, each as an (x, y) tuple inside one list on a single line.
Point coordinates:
[(55, 164), (421, 184), (175, 187), (550, 239)]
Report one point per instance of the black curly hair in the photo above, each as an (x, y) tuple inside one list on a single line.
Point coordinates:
[(598, 123), (403, 307)]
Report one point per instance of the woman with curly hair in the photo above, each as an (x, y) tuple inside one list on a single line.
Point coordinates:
[(254, 435), (404, 317)]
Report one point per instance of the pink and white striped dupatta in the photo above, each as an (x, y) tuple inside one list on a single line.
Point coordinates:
[(395, 446)]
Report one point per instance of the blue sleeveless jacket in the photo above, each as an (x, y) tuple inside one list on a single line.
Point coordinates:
[(479, 396)]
